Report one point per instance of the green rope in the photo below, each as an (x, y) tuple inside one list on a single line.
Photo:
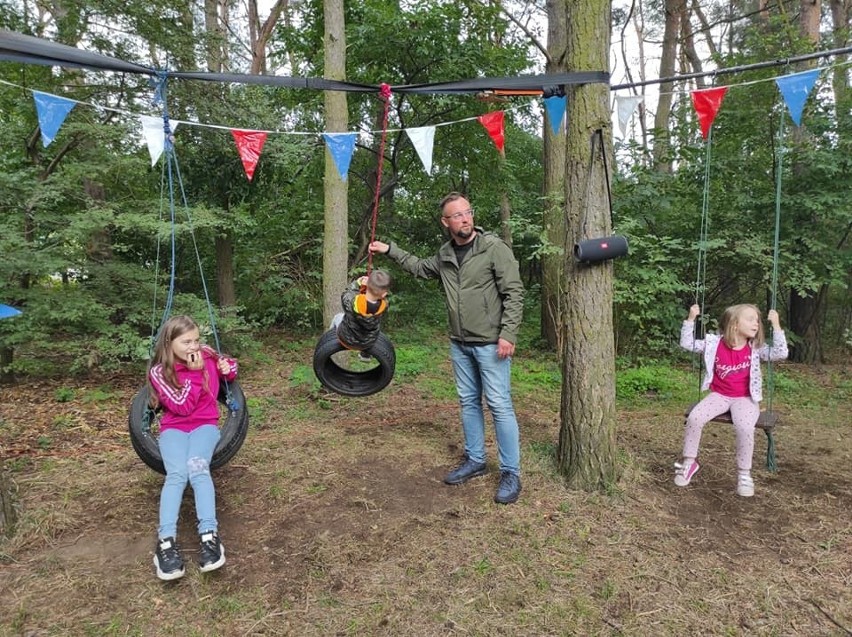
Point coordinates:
[(771, 464), (703, 236)]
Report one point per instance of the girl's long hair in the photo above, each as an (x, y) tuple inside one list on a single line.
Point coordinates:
[(163, 355), (730, 321)]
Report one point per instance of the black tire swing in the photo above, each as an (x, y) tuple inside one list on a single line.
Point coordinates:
[(768, 419), (341, 371), (338, 368), (143, 421)]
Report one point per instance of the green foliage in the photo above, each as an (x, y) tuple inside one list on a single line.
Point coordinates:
[(650, 381)]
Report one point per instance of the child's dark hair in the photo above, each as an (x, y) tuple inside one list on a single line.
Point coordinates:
[(173, 328), (379, 282)]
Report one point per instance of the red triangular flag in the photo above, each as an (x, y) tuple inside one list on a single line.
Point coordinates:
[(707, 103), (249, 145), (493, 123)]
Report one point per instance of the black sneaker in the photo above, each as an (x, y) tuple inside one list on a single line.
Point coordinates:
[(168, 560), (465, 471), (211, 555), (509, 488)]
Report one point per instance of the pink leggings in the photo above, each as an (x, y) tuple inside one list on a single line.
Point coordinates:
[(744, 413)]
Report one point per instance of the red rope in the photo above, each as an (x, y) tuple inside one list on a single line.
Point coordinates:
[(384, 95)]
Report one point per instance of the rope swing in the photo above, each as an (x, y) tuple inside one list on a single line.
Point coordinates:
[(142, 419), (335, 366), (768, 419)]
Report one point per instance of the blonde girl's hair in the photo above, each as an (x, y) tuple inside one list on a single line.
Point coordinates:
[(173, 328), (730, 321)]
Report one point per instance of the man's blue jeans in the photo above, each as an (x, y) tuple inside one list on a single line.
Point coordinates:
[(478, 369), (187, 458)]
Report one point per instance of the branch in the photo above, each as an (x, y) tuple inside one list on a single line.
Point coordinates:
[(526, 31)]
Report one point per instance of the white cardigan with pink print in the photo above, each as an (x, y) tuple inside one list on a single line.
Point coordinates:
[(777, 352)]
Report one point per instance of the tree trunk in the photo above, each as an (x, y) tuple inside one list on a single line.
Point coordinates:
[(216, 16), (553, 218), (335, 245), (261, 33), (7, 357), (805, 320), (674, 11), (840, 33), (805, 311), (225, 271), (8, 515), (505, 213), (586, 454)]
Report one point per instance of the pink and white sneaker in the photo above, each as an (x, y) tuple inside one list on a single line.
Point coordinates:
[(684, 472)]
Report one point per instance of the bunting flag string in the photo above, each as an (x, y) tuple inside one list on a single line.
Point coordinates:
[(707, 103), (795, 90), (52, 110), (249, 145), (625, 106), (555, 106), (155, 135), (341, 146), (423, 140), (493, 123)]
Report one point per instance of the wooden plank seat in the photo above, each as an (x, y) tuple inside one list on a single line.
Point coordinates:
[(766, 421)]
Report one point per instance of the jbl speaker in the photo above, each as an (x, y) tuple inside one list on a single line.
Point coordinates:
[(598, 250)]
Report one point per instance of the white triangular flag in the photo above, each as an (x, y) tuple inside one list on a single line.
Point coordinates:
[(152, 129), (423, 139), (626, 105)]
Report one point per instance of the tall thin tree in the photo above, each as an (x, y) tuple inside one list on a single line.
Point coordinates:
[(335, 252)]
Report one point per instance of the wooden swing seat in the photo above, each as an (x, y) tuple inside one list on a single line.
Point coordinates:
[(766, 421)]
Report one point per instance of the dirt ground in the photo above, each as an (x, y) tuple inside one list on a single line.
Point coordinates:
[(336, 522)]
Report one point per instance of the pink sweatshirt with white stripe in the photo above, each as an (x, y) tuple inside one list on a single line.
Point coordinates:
[(194, 403)]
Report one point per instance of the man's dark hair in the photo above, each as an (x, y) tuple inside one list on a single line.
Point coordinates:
[(451, 197)]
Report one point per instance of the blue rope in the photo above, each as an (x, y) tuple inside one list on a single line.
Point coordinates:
[(172, 170)]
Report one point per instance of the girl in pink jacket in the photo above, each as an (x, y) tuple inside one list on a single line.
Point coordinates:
[(184, 381)]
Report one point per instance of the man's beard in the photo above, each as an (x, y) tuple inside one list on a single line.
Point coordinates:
[(464, 233)]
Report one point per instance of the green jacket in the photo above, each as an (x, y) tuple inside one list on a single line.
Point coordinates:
[(485, 296)]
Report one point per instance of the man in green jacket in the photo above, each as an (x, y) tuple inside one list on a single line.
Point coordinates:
[(485, 295)]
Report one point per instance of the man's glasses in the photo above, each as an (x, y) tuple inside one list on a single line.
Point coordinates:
[(460, 215)]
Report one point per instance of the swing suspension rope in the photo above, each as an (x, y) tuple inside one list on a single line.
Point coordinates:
[(170, 173), (703, 237), (779, 165), (384, 95)]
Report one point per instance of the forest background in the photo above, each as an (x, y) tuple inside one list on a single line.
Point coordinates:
[(334, 516), (83, 218)]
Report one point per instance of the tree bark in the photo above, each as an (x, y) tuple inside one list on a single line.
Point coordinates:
[(335, 244), (8, 516), (840, 34), (553, 217), (805, 311), (674, 11), (215, 23), (586, 454)]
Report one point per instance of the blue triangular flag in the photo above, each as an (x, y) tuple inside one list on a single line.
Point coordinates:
[(555, 107), (341, 146), (795, 89), (52, 111), (7, 310)]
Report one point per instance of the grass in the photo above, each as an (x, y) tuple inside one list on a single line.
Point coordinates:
[(336, 521)]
